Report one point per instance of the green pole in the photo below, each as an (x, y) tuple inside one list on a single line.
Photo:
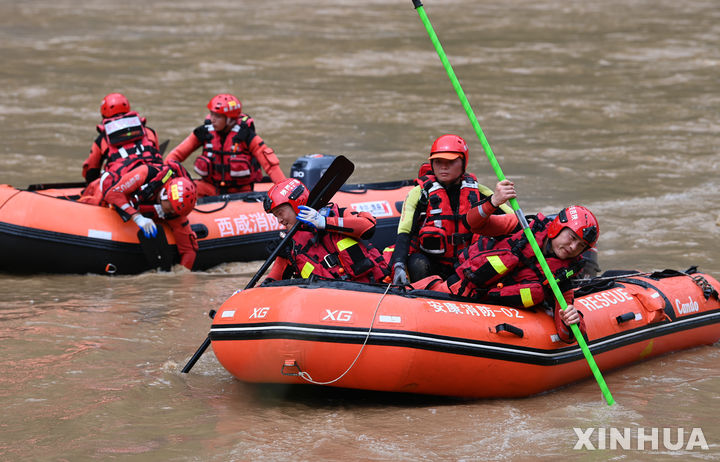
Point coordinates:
[(513, 202)]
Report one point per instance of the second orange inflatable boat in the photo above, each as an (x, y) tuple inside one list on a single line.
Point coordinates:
[(43, 229), (357, 336)]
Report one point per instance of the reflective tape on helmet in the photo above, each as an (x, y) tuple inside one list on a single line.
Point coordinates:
[(526, 297), (345, 243), (497, 264), (175, 194), (307, 270)]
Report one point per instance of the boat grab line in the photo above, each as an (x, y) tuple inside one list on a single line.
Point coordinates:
[(593, 345)]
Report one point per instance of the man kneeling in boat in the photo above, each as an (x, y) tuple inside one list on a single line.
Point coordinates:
[(159, 191), (505, 271), (124, 142), (328, 243)]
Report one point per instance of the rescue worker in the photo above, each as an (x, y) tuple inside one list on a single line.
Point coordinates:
[(506, 272), (433, 229), (123, 142), (328, 244), (232, 153), (157, 191)]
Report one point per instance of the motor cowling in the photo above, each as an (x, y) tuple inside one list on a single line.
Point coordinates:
[(310, 168)]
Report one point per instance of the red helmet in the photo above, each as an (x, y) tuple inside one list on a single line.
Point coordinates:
[(580, 220), (449, 147), (225, 104), (114, 104), (181, 193), (290, 191)]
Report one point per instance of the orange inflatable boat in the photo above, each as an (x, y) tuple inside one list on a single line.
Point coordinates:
[(44, 229), (357, 336)]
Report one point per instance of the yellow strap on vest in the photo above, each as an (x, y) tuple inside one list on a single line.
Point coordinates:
[(526, 297), (167, 176), (307, 270), (497, 264), (345, 243)]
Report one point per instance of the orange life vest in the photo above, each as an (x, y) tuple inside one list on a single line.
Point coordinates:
[(444, 232), (127, 143), (229, 162), (490, 268), (145, 199)]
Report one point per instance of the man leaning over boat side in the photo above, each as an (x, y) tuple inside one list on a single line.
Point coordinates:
[(505, 271), (124, 142), (329, 242), (163, 192), (433, 229), (232, 153)]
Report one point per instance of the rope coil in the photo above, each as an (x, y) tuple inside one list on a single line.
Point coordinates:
[(306, 376)]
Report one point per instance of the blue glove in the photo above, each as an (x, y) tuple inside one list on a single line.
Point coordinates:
[(146, 224), (311, 217)]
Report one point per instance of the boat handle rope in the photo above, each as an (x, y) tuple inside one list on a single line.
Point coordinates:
[(8, 199), (306, 376), (707, 288), (227, 201)]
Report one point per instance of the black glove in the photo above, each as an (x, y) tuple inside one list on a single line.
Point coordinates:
[(91, 175), (244, 135), (285, 252)]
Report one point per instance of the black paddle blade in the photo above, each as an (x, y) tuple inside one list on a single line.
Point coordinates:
[(156, 249), (163, 147), (332, 180)]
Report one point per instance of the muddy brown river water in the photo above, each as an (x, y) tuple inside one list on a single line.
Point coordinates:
[(614, 105)]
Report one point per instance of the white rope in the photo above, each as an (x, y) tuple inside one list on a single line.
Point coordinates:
[(305, 376)]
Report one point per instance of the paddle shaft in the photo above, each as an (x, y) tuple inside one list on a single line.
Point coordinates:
[(334, 177), (316, 199), (513, 202)]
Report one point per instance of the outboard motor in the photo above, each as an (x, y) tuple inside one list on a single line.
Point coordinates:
[(310, 168)]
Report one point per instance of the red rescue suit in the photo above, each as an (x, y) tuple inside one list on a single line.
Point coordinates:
[(443, 231), (121, 142), (229, 162), (138, 191), (337, 252), (506, 271)]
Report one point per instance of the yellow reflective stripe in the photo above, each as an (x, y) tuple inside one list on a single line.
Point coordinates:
[(497, 264), (408, 210), (526, 297), (307, 270), (389, 249), (345, 243)]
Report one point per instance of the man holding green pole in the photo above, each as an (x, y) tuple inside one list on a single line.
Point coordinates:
[(504, 270), (513, 202)]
